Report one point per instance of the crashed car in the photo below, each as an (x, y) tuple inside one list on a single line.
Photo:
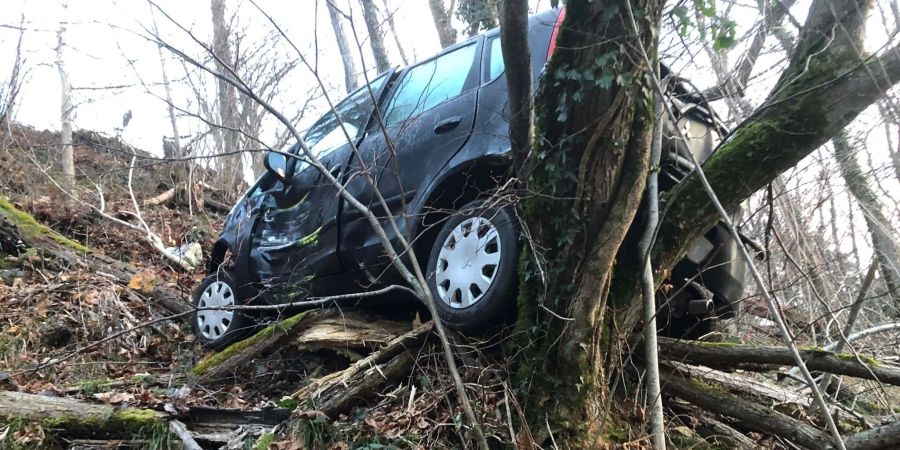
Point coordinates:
[(433, 137)]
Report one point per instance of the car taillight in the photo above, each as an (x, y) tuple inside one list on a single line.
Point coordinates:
[(556, 27)]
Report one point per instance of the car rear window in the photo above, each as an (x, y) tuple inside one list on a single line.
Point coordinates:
[(430, 84), (495, 59)]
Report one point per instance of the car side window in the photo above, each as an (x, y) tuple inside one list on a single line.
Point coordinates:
[(430, 83), (495, 59)]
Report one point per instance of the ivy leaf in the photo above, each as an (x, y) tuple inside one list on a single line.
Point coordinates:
[(605, 80), (724, 36)]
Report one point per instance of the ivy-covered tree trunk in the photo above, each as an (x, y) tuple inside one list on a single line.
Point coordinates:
[(585, 180)]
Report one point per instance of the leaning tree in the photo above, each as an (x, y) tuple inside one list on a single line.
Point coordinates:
[(585, 172)]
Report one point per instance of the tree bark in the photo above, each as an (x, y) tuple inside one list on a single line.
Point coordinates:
[(880, 229), (589, 167), (350, 72), (441, 16), (376, 39)]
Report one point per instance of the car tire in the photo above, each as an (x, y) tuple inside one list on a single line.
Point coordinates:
[(472, 268), (217, 329)]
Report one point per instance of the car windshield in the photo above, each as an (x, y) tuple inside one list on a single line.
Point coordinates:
[(354, 111)]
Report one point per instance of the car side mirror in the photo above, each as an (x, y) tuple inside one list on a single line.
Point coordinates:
[(276, 164)]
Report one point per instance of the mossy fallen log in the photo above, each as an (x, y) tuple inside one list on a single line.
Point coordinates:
[(338, 392), (751, 415), (721, 355), (225, 362), (307, 330), (19, 229), (73, 417)]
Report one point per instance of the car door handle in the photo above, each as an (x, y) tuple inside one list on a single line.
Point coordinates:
[(447, 124)]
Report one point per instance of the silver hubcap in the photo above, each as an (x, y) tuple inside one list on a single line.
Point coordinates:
[(467, 263), (213, 323)]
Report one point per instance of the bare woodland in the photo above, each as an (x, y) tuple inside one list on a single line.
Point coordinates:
[(102, 242)]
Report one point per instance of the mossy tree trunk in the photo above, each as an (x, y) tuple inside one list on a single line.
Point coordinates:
[(586, 177)]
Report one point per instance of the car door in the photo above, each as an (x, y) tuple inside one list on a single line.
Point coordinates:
[(428, 116), (296, 237)]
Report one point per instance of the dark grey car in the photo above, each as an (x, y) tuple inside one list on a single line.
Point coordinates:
[(292, 234)]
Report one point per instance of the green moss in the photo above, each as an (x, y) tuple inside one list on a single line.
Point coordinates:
[(135, 418), (311, 238), (287, 402), (218, 358), (264, 441), (33, 229), (872, 362)]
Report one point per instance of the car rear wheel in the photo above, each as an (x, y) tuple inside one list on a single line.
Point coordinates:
[(472, 268), (218, 328)]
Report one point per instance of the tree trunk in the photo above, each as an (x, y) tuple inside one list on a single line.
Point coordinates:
[(66, 156), (376, 40), (590, 164), (350, 72), (517, 60), (880, 229), (230, 165), (441, 17)]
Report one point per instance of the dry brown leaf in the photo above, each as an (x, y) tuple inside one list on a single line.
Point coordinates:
[(144, 282)]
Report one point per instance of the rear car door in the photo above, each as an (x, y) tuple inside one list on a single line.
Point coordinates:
[(296, 237), (428, 117)]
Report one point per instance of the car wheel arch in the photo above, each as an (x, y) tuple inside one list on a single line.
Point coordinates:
[(454, 188)]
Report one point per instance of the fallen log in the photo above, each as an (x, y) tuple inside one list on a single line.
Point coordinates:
[(753, 416), (720, 434), (749, 357), (73, 417), (336, 393), (19, 229), (883, 437), (308, 330)]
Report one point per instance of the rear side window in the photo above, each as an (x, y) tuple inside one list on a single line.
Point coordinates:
[(495, 59), (431, 83)]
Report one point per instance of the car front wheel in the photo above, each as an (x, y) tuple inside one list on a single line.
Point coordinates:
[(215, 326), (472, 268)]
